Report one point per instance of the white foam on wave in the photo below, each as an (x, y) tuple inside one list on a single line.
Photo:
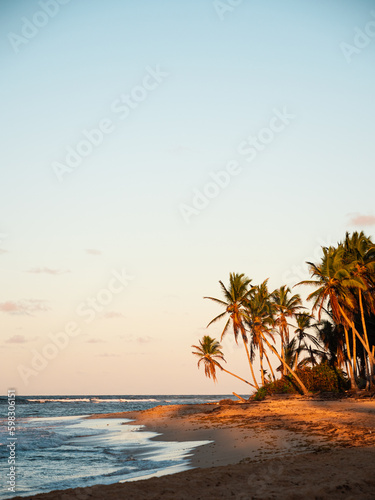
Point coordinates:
[(121, 400), (56, 419)]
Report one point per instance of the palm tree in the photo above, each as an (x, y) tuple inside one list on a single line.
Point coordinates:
[(333, 340), (209, 351), (292, 352), (286, 366), (260, 320), (334, 283), (360, 256), (286, 307), (235, 297), (303, 324)]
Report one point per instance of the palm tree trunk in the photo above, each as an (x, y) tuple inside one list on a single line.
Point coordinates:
[(353, 383), (363, 317), (261, 367), (234, 375), (282, 350), (301, 384), (250, 363), (269, 364), (351, 324), (369, 365), (354, 354)]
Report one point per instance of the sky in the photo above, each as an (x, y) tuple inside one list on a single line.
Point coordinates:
[(151, 148)]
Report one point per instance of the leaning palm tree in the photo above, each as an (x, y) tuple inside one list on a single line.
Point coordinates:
[(286, 307), (235, 297), (292, 353), (286, 366), (260, 322), (209, 352), (359, 254), (334, 284)]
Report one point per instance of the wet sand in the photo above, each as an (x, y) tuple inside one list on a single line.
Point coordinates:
[(280, 448)]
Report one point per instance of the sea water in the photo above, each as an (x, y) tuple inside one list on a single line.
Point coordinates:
[(57, 448)]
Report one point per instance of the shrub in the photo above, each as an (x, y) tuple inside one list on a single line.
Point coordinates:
[(260, 394), (320, 378)]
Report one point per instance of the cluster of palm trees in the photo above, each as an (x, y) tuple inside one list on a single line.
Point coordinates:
[(339, 330)]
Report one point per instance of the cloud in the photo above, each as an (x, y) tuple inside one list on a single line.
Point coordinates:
[(132, 353), (19, 339), (47, 270), (3, 251), (140, 340), (362, 220), (94, 341), (112, 314), (144, 340), (23, 306), (107, 355), (93, 251)]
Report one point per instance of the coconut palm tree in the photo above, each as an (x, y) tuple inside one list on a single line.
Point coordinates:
[(303, 325), (332, 337), (286, 366), (286, 307), (334, 284), (235, 298), (209, 352), (359, 254), (260, 320), (292, 353)]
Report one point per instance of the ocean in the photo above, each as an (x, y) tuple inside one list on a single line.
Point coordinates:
[(54, 447)]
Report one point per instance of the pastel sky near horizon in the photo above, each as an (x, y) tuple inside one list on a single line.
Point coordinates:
[(225, 137)]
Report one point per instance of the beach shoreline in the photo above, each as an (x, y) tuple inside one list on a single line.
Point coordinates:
[(293, 447)]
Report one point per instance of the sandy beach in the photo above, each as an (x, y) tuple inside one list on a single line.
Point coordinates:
[(280, 448)]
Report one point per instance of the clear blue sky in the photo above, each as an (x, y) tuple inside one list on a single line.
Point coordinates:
[(222, 81)]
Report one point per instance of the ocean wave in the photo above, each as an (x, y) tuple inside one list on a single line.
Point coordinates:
[(121, 400), (91, 400), (39, 439), (65, 400), (19, 400)]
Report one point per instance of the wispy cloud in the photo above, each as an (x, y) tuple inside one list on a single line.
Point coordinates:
[(107, 355), (23, 306), (3, 251), (95, 341), (140, 340), (144, 340), (19, 339), (93, 251), (362, 220), (112, 314), (47, 270)]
